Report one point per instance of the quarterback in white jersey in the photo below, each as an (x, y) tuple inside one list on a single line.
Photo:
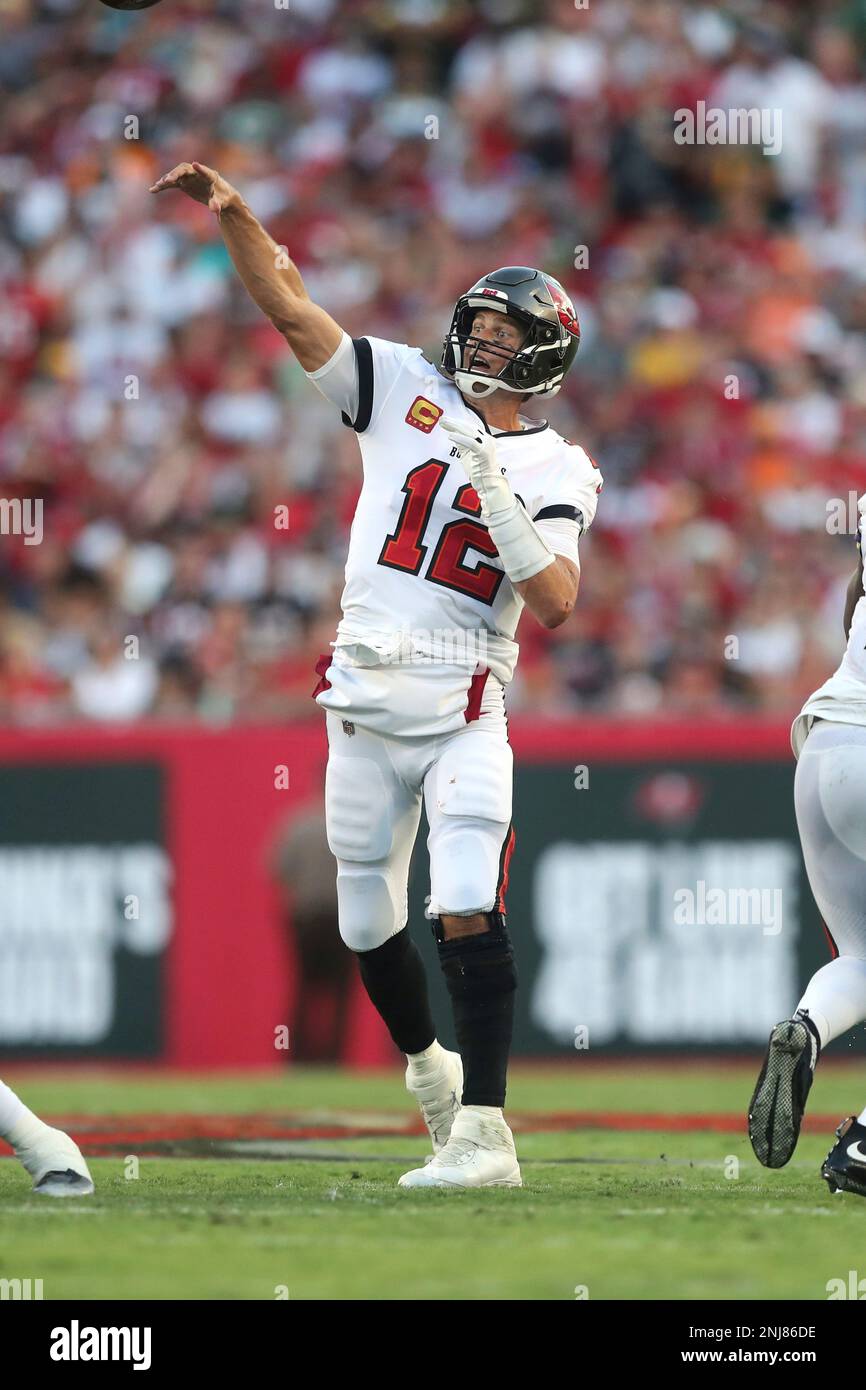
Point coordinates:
[(829, 740), (427, 605), (469, 511)]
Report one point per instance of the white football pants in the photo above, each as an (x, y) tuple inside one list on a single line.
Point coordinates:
[(830, 802), (373, 791)]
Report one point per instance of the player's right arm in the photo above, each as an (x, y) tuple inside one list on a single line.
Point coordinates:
[(270, 276)]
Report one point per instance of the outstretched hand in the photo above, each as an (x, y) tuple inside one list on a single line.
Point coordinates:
[(200, 183)]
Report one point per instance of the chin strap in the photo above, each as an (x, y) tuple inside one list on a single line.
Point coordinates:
[(475, 386)]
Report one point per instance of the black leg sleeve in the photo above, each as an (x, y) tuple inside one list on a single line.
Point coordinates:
[(481, 977), (394, 978)]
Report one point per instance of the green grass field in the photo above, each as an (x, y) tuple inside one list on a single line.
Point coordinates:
[(625, 1211)]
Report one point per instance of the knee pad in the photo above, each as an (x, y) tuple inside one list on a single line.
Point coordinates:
[(357, 810), (366, 906), (473, 779), (465, 865), (468, 794)]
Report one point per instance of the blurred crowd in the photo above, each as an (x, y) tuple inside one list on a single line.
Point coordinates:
[(399, 149)]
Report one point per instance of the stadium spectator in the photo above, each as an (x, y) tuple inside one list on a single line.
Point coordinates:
[(400, 148)]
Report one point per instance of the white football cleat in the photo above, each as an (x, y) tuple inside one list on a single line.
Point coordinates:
[(479, 1153), (439, 1096), (55, 1163)]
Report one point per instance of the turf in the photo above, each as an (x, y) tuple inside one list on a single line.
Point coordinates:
[(618, 1213)]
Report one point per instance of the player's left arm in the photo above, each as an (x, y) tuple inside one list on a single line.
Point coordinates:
[(546, 580), (551, 594)]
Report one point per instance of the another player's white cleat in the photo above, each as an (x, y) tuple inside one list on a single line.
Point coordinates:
[(54, 1162), (479, 1153), (438, 1095)]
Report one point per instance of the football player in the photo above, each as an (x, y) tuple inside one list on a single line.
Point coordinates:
[(829, 741), (53, 1160), (467, 512)]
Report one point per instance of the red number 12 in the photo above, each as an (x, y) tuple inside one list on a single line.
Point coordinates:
[(404, 550)]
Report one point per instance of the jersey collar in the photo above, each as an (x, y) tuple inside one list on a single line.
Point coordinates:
[(505, 434)]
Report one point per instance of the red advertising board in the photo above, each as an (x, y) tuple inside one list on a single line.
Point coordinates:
[(229, 964)]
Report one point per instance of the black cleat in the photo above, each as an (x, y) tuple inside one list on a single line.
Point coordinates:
[(844, 1168), (777, 1106)]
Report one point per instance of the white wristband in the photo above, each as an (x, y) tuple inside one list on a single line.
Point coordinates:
[(522, 549)]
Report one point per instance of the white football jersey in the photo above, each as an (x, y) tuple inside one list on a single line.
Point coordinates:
[(843, 697), (426, 597)]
